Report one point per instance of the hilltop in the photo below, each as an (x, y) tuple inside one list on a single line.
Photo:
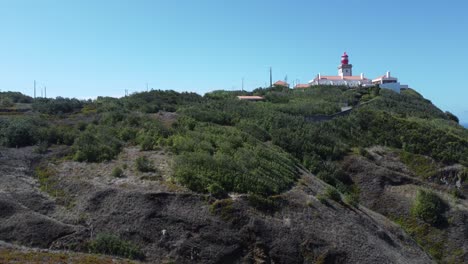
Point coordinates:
[(178, 177)]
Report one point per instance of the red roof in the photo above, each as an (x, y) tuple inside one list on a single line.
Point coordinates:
[(281, 83), (346, 78), (302, 86), (249, 97)]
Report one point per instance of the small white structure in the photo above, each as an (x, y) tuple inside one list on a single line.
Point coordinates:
[(388, 82)]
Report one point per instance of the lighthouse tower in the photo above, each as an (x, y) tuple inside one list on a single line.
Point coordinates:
[(345, 69)]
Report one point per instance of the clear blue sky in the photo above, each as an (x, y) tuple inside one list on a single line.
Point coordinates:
[(88, 48)]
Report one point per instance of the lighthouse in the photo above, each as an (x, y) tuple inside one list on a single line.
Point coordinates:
[(345, 69)]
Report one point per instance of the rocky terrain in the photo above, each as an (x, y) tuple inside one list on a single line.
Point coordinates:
[(173, 225)]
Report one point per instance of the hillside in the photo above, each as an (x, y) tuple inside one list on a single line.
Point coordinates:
[(171, 177)]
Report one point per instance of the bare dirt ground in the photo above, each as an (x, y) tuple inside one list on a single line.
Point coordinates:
[(172, 224)]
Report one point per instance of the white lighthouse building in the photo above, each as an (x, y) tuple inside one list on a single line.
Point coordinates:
[(345, 76)]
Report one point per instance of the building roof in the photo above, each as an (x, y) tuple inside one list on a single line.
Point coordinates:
[(302, 86), (384, 77), (250, 97), (345, 78), (281, 83)]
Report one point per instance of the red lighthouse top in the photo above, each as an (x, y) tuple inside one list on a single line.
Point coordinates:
[(344, 59)]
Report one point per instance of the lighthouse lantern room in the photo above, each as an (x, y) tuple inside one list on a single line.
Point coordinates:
[(345, 69)]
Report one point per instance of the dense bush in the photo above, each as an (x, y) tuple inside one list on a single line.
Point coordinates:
[(117, 172), (428, 207), (57, 106), (265, 204), (143, 164), (15, 97), (19, 132), (96, 144), (113, 245), (332, 193), (231, 159)]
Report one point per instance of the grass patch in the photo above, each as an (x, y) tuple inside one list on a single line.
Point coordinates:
[(224, 208), (14, 256), (113, 245), (265, 204), (143, 164), (49, 184), (420, 165), (333, 194), (431, 239)]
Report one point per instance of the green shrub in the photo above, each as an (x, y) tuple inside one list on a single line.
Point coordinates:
[(96, 144), (224, 208), (6, 102), (266, 204), (117, 172), (332, 193), (363, 152), (217, 190), (420, 165), (457, 194), (59, 105), (428, 207), (143, 164), (18, 132), (42, 147), (452, 117), (351, 199), (113, 245), (234, 160)]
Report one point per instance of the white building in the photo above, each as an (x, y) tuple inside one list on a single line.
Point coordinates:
[(388, 82), (345, 78)]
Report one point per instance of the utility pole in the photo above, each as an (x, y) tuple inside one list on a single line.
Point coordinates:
[(34, 89), (271, 78)]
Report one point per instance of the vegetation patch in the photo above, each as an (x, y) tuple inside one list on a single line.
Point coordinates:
[(224, 208), (144, 164), (430, 238), (113, 245), (97, 144), (420, 165), (16, 256), (48, 182), (265, 204), (225, 157), (332, 194), (429, 207), (117, 172)]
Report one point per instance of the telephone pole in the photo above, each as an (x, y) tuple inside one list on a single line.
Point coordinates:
[(271, 78)]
